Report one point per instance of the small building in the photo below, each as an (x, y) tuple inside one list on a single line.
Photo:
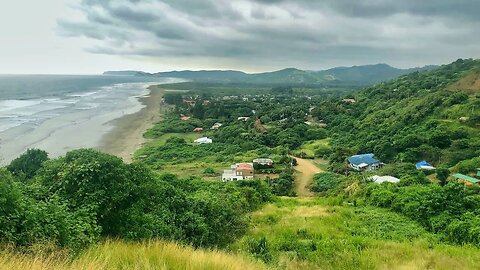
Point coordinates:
[(468, 180), (184, 117), (386, 178), (423, 165), (263, 162), (243, 118), (203, 140), (239, 171), (216, 126), (478, 171), (198, 129), (364, 162), (349, 100)]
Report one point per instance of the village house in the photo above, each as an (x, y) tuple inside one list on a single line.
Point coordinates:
[(349, 100), (203, 140), (216, 126), (198, 129), (386, 178), (364, 162), (239, 171), (243, 118), (468, 180), (263, 162), (184, 117), (423, 165)]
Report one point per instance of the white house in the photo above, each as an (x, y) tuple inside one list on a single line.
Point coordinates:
[(380, 179), (364, 162), (239, 171), (203, 140)]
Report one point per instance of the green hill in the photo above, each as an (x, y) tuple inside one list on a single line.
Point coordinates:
[(432, 115), (340, 76)]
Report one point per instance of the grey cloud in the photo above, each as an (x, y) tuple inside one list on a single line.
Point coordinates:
[(279, 33)]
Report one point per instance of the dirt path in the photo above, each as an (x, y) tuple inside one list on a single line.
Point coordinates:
[(306, 169)]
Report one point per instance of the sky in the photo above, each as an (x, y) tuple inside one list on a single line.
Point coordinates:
[(90, 36)]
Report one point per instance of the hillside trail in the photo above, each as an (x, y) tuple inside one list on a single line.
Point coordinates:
[(306, 169)]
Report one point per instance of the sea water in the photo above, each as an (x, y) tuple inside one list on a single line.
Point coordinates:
[(63, 112)]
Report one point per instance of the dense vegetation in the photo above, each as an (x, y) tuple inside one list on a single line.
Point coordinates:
[(78, 199), (324, 233), (416, 117)]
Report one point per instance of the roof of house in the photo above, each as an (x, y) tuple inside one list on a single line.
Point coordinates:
[(263, 160), (424, 165), (244, 166), (465, 177), (386, 178), (363, 160), (203, 140)]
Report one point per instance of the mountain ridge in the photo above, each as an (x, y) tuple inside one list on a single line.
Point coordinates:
[(357, 75)]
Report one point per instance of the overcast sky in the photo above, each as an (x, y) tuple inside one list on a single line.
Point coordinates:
[(89, 36)]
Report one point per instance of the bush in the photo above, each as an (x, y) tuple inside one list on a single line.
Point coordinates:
[(28, 163), (323, 182)]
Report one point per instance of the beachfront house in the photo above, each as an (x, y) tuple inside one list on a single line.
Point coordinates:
[(203, 140), (386, 178), (364, 162), (423, 165), (468, 180), (239, 171)]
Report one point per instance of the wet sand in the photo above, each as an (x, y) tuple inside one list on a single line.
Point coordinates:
[(127, 135)]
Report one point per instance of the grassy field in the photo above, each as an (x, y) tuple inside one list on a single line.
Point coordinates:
[(316, 233), (308, 148), (121, 255)]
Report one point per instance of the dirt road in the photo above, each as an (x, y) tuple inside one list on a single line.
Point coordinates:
[(306, 169)]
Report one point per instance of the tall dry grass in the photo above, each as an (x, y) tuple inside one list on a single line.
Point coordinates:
[(122, 255)]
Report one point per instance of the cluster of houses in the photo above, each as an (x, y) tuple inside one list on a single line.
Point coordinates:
[(242, 171), (368, 162)]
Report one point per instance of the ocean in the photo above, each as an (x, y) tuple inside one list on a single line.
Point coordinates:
[(58, 113)]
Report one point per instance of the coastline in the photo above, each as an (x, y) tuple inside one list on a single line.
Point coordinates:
[(126, 136)]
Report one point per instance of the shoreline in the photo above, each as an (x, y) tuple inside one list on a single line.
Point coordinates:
[(126, 136)]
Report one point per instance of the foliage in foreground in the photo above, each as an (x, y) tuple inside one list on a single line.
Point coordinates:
[(75, 200), (123, 255), (323, 233)]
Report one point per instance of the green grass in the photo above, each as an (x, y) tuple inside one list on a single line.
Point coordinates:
[(123, 255), (308, 148), (318, 233)]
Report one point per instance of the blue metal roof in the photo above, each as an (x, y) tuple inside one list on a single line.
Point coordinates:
[(365, 158), (422, 163)]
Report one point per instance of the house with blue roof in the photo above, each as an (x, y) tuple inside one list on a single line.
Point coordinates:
[(423, 165), (364, 162)]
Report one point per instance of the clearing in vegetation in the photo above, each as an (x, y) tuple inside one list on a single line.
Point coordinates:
[(319, 233)]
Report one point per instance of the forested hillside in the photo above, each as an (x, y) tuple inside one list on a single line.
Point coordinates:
[(432, 115)]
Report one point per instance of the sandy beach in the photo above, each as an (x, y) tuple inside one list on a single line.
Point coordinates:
[(127, 135)]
